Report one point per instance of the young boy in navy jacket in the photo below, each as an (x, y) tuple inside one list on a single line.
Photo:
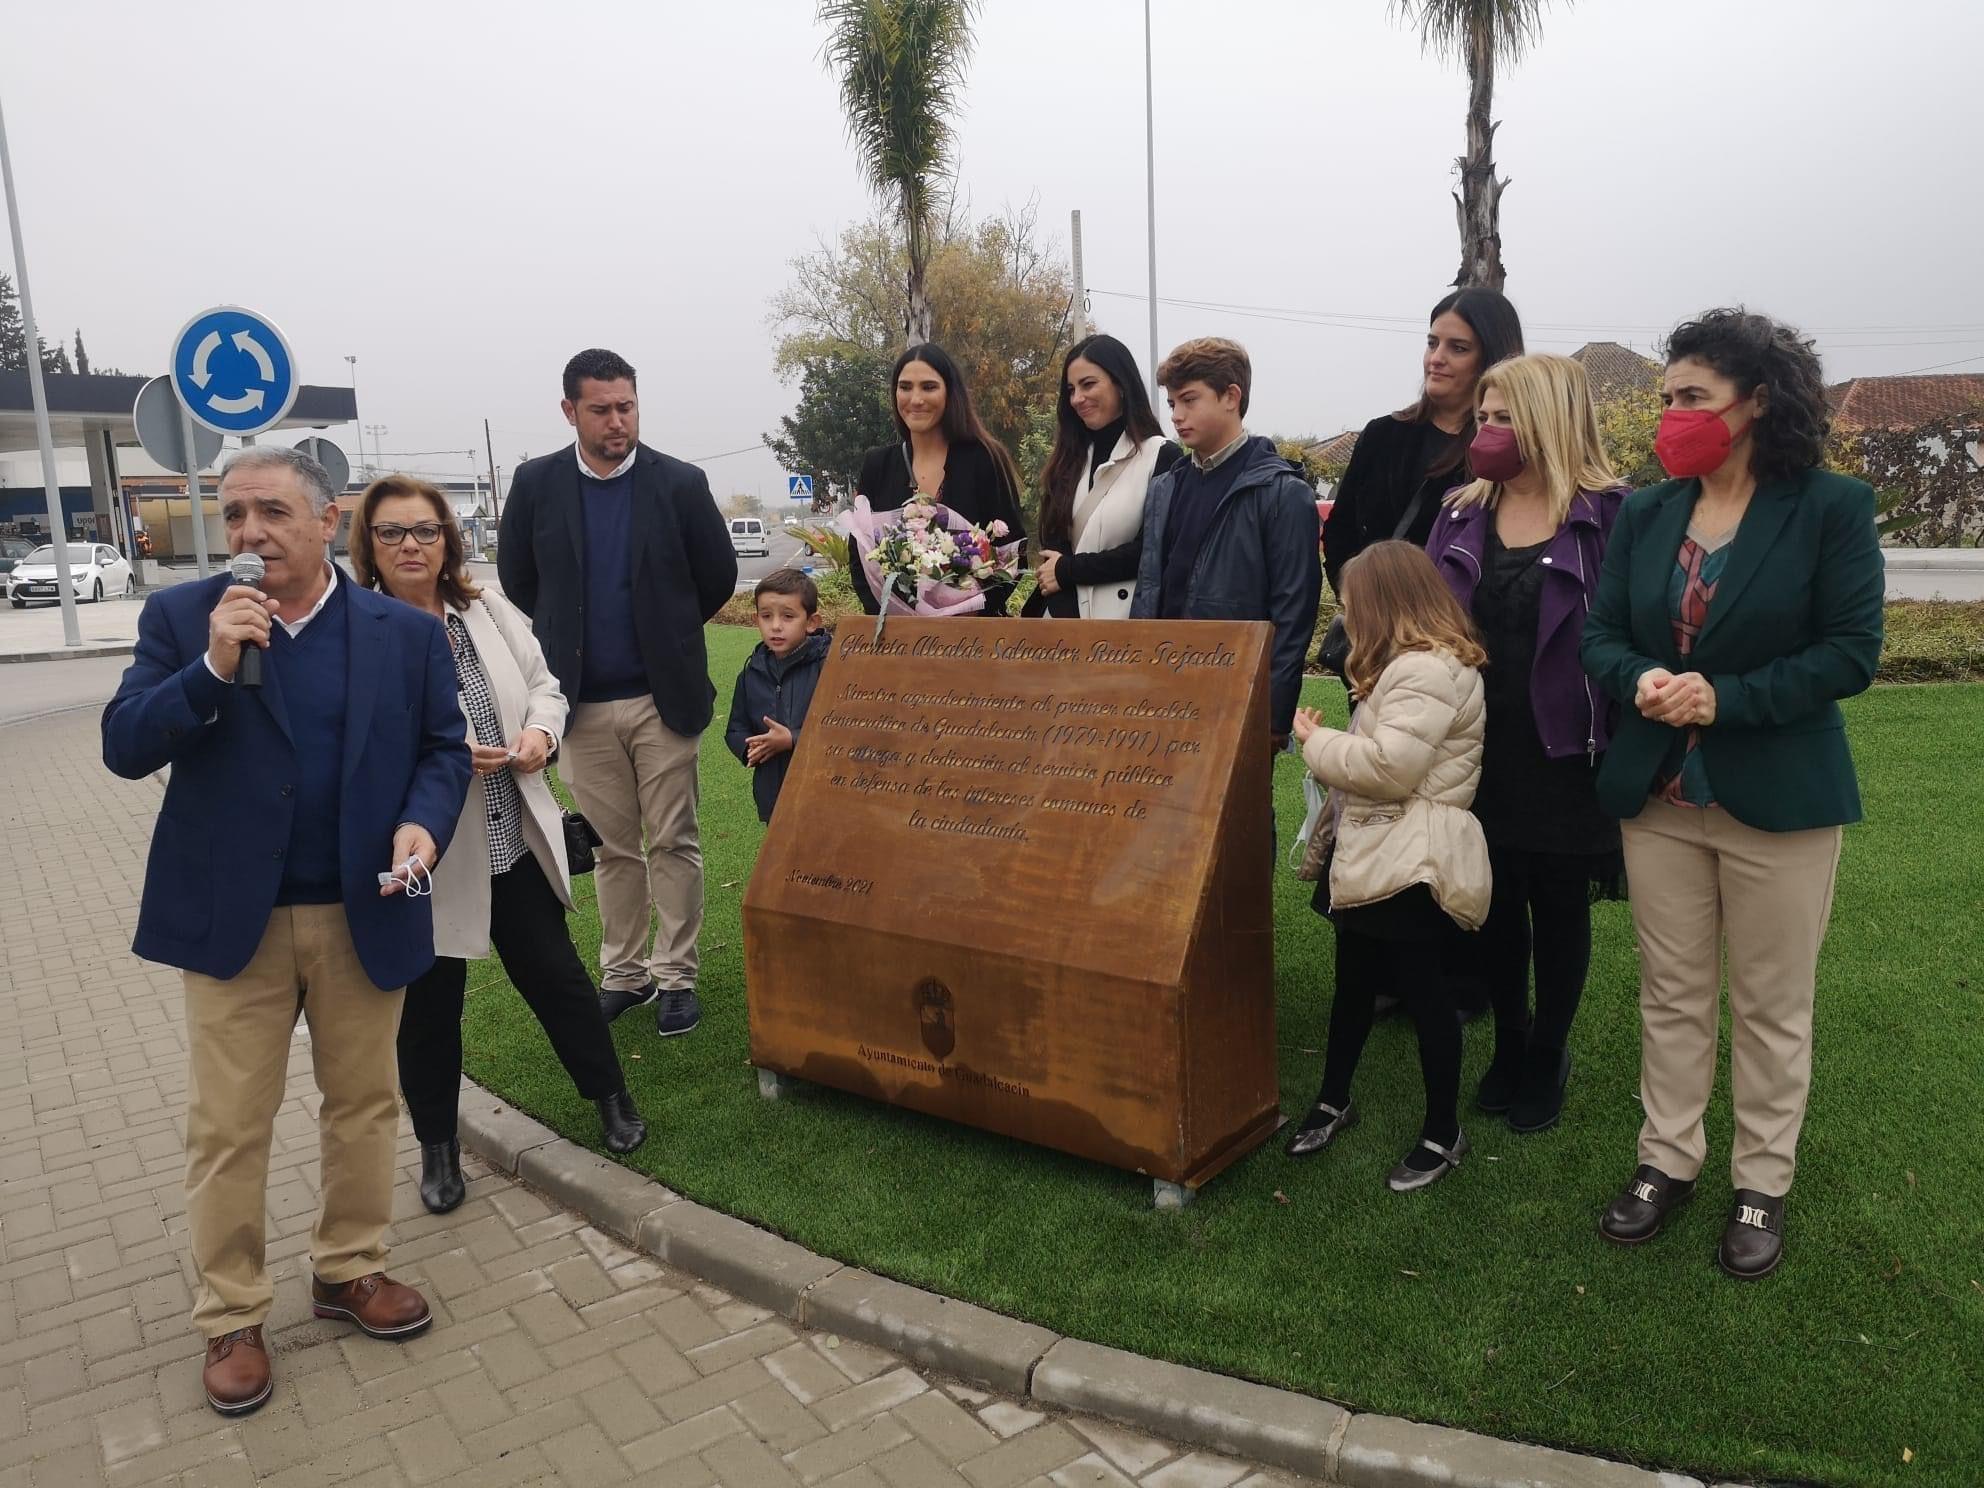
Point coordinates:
[(775, 688)]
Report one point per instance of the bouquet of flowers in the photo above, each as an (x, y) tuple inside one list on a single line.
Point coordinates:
[(928, 560)]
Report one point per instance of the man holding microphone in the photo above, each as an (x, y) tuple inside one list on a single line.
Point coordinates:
[(315, 742)]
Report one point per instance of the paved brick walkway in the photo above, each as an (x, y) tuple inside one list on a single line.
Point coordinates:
[(558, 1356)]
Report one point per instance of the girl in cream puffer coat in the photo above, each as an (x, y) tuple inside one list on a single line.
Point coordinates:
[(1399, 858)]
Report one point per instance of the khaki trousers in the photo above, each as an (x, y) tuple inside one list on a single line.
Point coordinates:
[(635, 779), (237, 1036), (1700, 879)]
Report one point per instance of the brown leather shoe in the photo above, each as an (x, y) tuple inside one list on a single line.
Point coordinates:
[(237, 1376), (381, 1306)]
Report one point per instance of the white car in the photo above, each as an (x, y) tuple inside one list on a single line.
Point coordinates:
[(96, 571), (747, 537)]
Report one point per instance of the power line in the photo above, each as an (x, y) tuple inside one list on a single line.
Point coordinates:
[(1414, 324), (1966, 361), (748, 449)]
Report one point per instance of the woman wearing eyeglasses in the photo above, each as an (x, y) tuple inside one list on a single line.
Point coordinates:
[(505, 877)]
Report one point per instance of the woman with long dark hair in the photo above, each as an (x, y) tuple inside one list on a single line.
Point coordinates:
[(1405, 462), (946, 453), (1107, 448)]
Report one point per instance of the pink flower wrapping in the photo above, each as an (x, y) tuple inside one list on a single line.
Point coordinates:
[(928, 560)]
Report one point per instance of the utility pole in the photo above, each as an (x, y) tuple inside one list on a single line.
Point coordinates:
[(495, 491), (1081, 284)]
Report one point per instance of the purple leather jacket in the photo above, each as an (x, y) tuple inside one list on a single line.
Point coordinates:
[(1572, 715)]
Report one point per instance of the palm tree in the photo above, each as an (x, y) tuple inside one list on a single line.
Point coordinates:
[(1477, 34), (902, 69)]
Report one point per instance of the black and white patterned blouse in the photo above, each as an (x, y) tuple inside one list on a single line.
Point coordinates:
[(502, 802)]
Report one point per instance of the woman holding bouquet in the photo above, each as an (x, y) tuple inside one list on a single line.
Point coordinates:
[(1107, 449), (946, 454)]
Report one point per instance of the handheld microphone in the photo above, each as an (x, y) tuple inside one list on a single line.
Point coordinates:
[(248, 568)]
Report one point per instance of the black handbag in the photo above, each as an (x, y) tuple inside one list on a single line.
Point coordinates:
[(580, 840)]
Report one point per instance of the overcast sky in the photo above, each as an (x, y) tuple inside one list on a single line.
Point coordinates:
[(462, 195)]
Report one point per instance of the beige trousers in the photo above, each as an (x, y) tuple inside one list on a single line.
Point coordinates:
[(1700, 879), (237, 1036), (635, 780)]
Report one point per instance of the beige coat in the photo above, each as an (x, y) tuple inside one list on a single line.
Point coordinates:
[(1111, 513), (527, 696), (1402, 778)]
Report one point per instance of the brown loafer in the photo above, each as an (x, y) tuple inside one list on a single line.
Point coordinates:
[(236, 1377), (381, 1306)]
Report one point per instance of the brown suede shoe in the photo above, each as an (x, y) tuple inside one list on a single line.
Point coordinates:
[(237, 1376), (381, 1306)]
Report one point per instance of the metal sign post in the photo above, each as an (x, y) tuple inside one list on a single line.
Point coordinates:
[(177, 443)]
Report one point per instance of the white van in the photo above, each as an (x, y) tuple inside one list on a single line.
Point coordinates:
[(747, 537)]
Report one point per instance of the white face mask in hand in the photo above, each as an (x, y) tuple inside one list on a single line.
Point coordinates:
[(418, 883)]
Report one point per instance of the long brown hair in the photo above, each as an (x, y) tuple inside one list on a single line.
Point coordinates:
[(960, 422), (1067, 466), (456, 587), (1394, 601), (1497, 335)]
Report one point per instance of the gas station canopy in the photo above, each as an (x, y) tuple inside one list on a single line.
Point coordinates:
[(81, 406)]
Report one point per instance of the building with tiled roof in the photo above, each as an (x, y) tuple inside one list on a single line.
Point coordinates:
[(1335, 451), (1896, 404), (1614, 370)]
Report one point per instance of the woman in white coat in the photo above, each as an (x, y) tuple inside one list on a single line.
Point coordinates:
[(1107, 448), (505, 877)]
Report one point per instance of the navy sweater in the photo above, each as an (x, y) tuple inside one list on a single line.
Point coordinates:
[(610, 666), (311, 671)]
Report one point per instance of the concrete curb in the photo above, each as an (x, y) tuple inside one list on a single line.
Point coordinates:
[(71, 653), (1280, 1428)]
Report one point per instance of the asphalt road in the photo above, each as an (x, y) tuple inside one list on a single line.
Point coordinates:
[(787, 551)]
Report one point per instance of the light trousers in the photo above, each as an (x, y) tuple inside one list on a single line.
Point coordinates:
[(1700, 880), (238, 1036)]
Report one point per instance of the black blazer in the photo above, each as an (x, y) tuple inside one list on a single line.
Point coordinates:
[(973, 488), (1387, 469), (683, 564), (1795, 626)]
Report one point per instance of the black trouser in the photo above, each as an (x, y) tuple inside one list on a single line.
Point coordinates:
[(1540, 911), (1410, 970), (527, 925)]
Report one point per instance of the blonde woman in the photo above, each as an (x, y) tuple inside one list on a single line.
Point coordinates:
[(1521, 547)]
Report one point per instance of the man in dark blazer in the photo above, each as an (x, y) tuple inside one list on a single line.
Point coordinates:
[(619, 556), (288, 803)]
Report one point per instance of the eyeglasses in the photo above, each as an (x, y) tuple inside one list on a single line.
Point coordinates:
[(392, 534)]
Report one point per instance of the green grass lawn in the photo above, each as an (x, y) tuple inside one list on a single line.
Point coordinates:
[(1489, 1302)]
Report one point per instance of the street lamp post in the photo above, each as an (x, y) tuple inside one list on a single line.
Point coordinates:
[(1150, 196), (378, 432), (353, 362), (72, 634)]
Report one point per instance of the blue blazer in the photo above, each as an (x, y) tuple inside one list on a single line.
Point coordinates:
[(216, 856)]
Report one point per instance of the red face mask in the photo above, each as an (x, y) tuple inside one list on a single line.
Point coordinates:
[(1495, 455), (1693, 441)]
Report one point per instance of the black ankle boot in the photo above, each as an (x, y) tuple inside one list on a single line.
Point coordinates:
[(1540, 1097), (624, 1128), (441, 1186), (1499, 1082)]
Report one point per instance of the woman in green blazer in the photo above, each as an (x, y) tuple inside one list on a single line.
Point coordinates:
[(1739, 603)]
